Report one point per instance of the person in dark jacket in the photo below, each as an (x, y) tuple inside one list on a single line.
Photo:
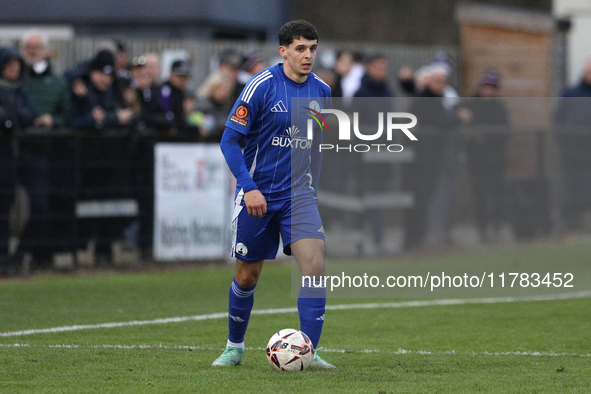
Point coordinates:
[(573, 139), (95, 104), (48, 92), (153, 116), (486, 147), (172, 98), (373, 85), (16, 114), (434, 154), (39, 171)]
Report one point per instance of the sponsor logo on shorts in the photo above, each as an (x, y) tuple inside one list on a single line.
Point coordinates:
[(241, 249), (321, 230)]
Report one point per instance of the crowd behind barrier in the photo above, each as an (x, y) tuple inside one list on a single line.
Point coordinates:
[(89, 134)]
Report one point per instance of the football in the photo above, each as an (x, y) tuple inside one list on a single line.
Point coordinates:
[(290, 350)]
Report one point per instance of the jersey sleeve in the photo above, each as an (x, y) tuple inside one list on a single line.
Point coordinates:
[(250, 104)]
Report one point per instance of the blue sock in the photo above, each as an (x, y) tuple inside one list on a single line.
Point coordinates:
[(241, 301), (311, 306)]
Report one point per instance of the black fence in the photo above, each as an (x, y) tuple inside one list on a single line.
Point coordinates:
[(63, 191)]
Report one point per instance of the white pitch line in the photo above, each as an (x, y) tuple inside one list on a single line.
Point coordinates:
[(399, 351), (223, 315)]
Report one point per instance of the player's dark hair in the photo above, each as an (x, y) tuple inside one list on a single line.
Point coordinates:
[(296, 29)]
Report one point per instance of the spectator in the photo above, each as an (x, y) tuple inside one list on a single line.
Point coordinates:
[(406, 81), (373, 83), (153, 68), (433, 165), (16, 112), (214, 105), (152, 113), (95, 104), (230, 62), (351, 82), (574, 144), (413, 83), (48, 93), (172, 98), (131, 100), (342, 66), (253, 65), (486, 152), (442, 63), (50, 97)]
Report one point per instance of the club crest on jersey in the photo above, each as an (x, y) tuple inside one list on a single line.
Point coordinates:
[(291, 139), (239, 116)]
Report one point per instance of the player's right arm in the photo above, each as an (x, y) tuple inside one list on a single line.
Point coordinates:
[(253, 199)]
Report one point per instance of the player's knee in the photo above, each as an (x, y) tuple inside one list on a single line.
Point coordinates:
[(247, 279), (315, 265)]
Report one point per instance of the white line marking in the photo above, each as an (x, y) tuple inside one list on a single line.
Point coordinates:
[(224, 315), (399, 351)]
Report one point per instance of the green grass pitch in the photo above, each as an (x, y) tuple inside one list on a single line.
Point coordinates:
[(519, 347)]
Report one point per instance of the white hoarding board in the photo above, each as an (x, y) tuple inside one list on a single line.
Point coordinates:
[(191, 218)]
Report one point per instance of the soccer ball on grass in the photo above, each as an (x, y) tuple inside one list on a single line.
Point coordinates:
[(290, 350)]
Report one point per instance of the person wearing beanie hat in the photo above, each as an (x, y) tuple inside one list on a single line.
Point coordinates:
[(489, 84), (95, 102), (104, 62)]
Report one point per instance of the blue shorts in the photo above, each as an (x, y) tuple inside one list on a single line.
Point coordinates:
[(258, 239)]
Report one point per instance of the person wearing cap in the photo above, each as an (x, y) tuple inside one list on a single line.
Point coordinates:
[(172, 97), (95, 104)]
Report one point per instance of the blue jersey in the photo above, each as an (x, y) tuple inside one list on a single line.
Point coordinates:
[(277, 151)]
